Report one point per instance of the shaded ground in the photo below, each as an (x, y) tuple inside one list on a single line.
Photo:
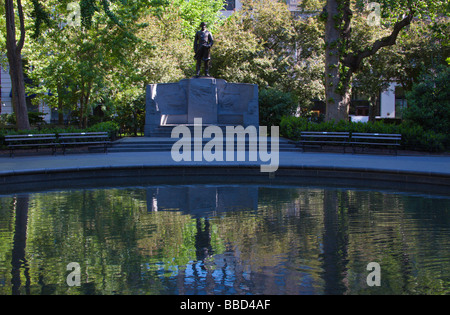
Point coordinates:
[(329, 149)]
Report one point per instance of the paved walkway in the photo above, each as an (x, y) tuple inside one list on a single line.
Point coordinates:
[(403, 164)]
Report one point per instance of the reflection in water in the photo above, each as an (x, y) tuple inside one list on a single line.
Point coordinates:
[(18, 260), (205, 239)]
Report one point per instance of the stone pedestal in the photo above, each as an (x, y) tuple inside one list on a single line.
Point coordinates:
[(202, 200), (216, 101)]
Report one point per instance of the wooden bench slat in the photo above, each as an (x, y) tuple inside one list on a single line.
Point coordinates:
[(31, 144), (88, 142), (83, 134), (84, 138), (31, 141), (322, 137), (340, 142), (28, 139), (62, 139), (309, 138), (376, 134), (346, 138), (30, 135), (376, 139), (375, 143)]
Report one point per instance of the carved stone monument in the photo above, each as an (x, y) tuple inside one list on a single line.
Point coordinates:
[(216, 101), (198, 201)]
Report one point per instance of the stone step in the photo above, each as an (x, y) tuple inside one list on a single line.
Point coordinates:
[(168, 142), (166, 130), (168, 148), (144, 149), (152, 144), (119, 150)]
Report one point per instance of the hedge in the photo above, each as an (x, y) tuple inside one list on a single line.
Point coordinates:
[(414, 137), (108, 126)]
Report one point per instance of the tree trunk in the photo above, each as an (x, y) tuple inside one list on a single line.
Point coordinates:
[(19, 262), (373, 107), (334, 254), (340, 64), (84, 102), (14, 50), (337, 89), (60, 105)]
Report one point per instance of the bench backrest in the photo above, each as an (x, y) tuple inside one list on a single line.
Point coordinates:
[(324, 134), (29, 137), (83, 136), (376, 136)]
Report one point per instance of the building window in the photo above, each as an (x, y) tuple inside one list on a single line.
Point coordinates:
[(359, 104), (400, 102), (230, 5), (292, 4)]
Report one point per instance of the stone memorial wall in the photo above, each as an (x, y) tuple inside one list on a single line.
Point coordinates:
[(216, 101)]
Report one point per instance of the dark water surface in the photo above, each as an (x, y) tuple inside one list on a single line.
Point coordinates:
[(208, 239)]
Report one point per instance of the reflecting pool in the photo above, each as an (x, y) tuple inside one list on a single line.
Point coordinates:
[(224, 239)]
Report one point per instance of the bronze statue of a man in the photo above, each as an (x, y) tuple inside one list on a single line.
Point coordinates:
[(202, 47)]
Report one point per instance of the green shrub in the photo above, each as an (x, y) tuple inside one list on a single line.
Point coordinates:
[(33, 117), (107, 126), (131, 116), (36, 117), (429, 102), (274, 104), (414, 137)]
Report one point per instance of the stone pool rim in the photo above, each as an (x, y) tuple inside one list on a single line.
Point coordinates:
[(16, 181)]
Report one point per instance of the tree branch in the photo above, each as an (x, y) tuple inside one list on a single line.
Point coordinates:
[(347, 16), (353, 60), (22, 27)]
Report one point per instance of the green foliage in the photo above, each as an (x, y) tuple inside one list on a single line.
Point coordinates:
[(192, 13), (36, 117), (274, 104), (7, 119), (414, 137), (429, 102), (353, 47), (39, 15), (120, 47), (107, 126), (422, 47), (166, 54), (81, 65), (232, 61), (256, 45), (130, 117), (33, 117)]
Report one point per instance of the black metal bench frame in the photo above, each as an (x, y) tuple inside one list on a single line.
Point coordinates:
[(31, 141), (321, 138), (365, 140), (84, 138)]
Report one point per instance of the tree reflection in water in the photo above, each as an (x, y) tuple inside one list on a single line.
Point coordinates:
[(206, 239)]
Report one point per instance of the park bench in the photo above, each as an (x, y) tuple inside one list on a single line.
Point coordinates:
[(365, 140), (31, 141), (321, 138), (84, 138)]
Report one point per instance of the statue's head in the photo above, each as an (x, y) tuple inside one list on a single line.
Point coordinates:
[(203, 25)]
